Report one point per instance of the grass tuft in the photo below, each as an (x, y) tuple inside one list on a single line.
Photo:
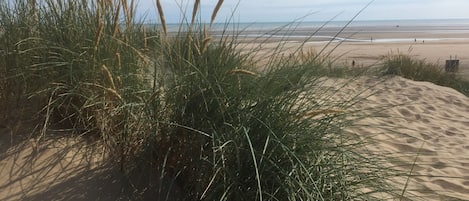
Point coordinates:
[(420, 70), (189, 108)]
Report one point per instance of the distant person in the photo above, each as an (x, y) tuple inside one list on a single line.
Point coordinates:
[(415, 40), (353, 63)]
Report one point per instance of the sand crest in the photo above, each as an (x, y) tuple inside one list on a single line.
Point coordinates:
[(421, 122)]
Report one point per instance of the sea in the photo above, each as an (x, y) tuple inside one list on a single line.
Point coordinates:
[(350, 31)]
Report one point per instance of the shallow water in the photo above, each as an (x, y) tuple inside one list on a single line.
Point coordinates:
[(384, 31)]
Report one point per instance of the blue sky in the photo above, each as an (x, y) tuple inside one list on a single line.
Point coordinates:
[(319, 10)]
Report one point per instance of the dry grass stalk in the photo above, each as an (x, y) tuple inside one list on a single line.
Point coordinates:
[(32, 7), (98, 35), (145, 41), (109, 90), (215, 11), (108, 4), (205, 43), (131, 11), (160, 12), (154, 95), (242, 72), (72, 7), (118, 58), (114, 93), (128, 13), (98, 12), (34, 16), (189, 46), (116, 20), (321, 112), (107, 74), (194, 12), (205, 32), (119, 82), (206, 40)]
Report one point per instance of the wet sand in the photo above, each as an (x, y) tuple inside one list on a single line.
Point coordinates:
[(367, 46)]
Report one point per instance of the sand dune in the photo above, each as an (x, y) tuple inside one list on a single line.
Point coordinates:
[(416, 121), (425, 123)]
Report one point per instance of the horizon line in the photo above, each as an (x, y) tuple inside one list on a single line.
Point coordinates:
[(322, 21)]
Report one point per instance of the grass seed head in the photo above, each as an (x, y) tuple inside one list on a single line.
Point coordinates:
[(194, 11), (107, 74), (241, 72), (161, 14), (215, 11)]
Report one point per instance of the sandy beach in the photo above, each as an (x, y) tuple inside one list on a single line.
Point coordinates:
[(424, 125), (371, 53), (368, 45)]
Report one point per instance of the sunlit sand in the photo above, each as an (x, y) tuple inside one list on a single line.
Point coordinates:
[(426, 125)]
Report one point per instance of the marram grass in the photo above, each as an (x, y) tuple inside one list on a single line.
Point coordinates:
[(420, 70), (186, 107)]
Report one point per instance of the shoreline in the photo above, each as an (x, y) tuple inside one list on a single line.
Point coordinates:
[(369, 47)]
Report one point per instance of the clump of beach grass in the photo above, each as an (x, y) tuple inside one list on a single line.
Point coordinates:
[(421, 70), (79, 65), (186, 106)]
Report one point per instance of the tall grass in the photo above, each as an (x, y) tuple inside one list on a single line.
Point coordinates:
[(79, 63), (420, 70), (188, 107)]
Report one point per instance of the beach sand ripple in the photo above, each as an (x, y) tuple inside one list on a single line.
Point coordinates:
[(421, 122)]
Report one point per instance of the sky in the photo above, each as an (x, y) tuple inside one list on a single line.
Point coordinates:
[(311, 10)]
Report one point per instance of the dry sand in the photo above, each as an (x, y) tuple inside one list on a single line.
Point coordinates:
[(423, 122), (68, 168)]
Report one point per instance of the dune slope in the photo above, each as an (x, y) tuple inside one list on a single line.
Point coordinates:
[(408, 120)]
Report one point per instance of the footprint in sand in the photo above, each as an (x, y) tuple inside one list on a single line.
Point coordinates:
[(413, 97), (451, 186), (425, 120), (405, 112), (430, 108), (425, 136), (450, 133), (417, 89), (412, 140), (403, 84), (439, 165)]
